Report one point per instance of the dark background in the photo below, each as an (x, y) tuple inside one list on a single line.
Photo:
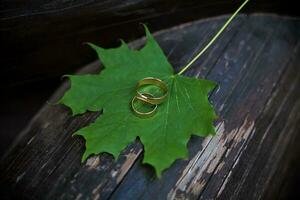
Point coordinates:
[(42, 39)]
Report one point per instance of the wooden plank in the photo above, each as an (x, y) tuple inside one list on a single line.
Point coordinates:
[(249, 172), (248, 62), (255, 151)]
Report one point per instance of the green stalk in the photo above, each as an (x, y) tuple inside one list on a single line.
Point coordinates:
[(213, 39)]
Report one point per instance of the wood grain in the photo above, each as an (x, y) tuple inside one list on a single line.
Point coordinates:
[(255, 63)]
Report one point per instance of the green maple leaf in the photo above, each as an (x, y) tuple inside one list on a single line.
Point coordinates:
[(165, 136)]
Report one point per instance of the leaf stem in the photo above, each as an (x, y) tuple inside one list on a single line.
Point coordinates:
[(213, 39)]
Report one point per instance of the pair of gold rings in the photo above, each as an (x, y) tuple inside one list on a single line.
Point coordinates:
[(147, 98)]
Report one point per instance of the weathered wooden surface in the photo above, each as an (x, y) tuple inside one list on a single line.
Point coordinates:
[(255, 62)]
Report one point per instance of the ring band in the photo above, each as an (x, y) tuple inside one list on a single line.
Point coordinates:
[(150, 98), (143, 114)]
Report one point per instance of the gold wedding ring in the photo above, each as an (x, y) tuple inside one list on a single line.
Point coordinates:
[(143, 114), (151, 98)]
